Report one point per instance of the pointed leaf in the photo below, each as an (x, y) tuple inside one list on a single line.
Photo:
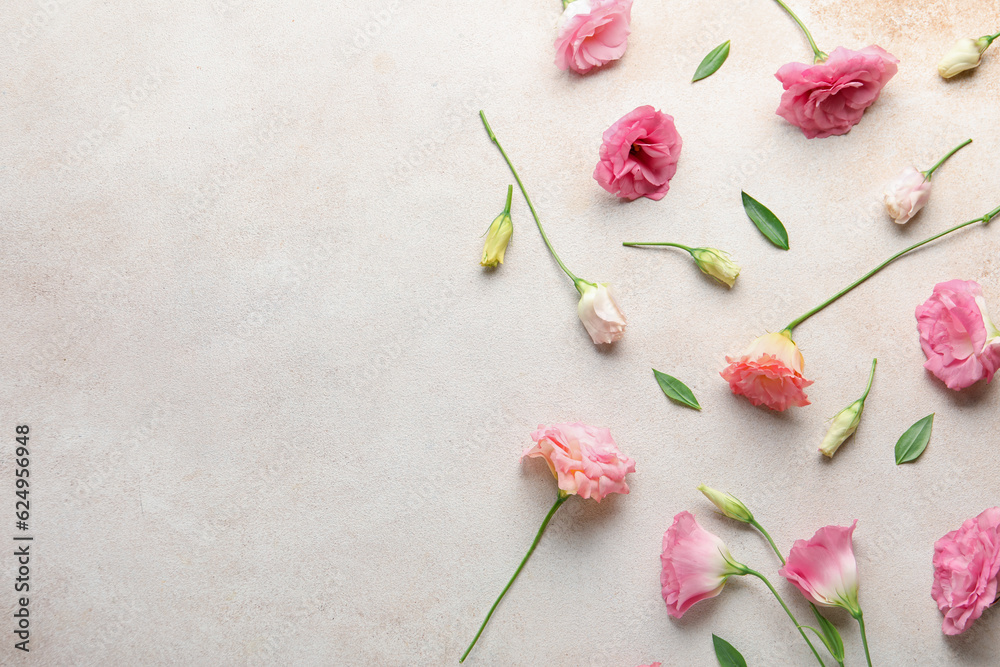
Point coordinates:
[(766, 222), (830, 636), (913, 443), (727, 655), (712, 62), (676, 390)]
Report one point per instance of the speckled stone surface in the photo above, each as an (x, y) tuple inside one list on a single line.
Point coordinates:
[(276, 406)]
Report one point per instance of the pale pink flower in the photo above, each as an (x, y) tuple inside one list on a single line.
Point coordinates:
[(600, 313), (769, 373), (966, 564), (639, 154), (961, 343), (907, 194), (592, 33), (696, 565), (584, 459), (830, 97), (824, 569)]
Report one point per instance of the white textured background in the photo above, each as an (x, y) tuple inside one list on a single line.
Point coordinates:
[(276, 405)]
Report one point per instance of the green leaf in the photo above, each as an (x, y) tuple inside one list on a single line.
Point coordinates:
[(830, 637), (766, 222), (712, 62), (676, 390), (913, 443), (727, 655)]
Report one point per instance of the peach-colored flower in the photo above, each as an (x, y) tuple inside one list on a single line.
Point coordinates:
[(584, 459), (966, 566), (639, 154), (600, 313), (696, 565), (960, 341), (769, 373), (824, 569), (592, 33), (907, 194)]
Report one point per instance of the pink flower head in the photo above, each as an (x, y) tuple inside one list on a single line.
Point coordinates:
[(592, 33), (600, 313), (830, 97), (639, 154), (966, 563), (824, 568), (696, 565), (907, 194), (960, 342), (770, 373), (584, 459), (655, 664)]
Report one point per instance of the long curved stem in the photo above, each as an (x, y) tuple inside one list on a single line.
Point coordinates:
[(787, 611), (871, 380), (753, 522), (548, 517), (796, 322), (819, 55), (864, 638), (930, 172), (531, 206), (633, 244)]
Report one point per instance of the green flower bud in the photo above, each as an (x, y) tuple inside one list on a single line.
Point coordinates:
[(842, 427), (727, 504), (498, 235), (717, 264)]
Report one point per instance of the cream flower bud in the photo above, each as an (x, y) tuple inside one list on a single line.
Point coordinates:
[(965, 54), (498, 235), (599, 312), (906, 195), (727, 504), (717, 264), (842, 427)]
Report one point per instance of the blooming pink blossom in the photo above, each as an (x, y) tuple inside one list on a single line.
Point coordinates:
[(592, 33), (584, 459), (639, 154), (907, 194), (960, 342), (769, 373), (966, 564), (824, 569), (696, 565), (600, 313), (830, 97)]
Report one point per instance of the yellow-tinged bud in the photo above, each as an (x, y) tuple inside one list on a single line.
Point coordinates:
[(498, 235), (964, 55), (717, 264), (842, 427), (727, 504)]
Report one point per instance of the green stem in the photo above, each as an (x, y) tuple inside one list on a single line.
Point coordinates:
[(989, 39), (864, 638), (566, 3), (871, 379), (930, 172), (633, 244), (819, 55), (510, 195), (753, 522), (796, 322), (531, 206), (548, 517), (787, 611)]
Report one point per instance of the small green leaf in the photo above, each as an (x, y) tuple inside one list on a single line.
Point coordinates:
[(766, 222), (727, 655), (712, 62), (830, 636), (913, 443), (676, 390)]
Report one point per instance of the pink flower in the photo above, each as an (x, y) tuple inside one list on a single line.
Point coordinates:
[(655, 664), (600, 313), (966, 563), (962, 345), (696, 565), (639, 154), (907, 194), (830, 97), (592, 33), (585, 460), (824, 568), (770, 373)]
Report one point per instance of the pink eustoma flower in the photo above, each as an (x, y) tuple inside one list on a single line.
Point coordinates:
[(639, 155), (584, 459), (961, 343), (769, 373), (966, 565), (600, 314), (906, 194), (696, 565), (830, 97), (592, 33), (824, 568)]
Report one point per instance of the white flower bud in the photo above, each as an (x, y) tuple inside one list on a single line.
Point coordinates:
[(965, 54)]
